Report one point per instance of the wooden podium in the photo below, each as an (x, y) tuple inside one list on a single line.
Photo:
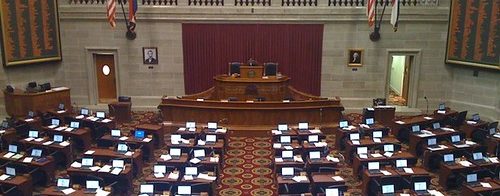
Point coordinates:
[(251, 71), (18, 103)]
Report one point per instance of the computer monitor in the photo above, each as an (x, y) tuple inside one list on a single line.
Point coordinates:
[(160, 169), (118, 163), (448, 158), (5, 124), (287, 154), (211, 138), (190, 124), (362, 150), (415, 128), (400, 163), (475, 117), (472, 178), (477, 156), (377, 134), (442, 106), (175, 137), (184, 190), (388, 189), (92, 184), (313, 138), (455, 138), (373, 165), (84, 111), (287, 171), (54, 121), (139, 134), (285, 139), (420, 186), (191, 171), (33, 134), (122, 147), (431, 141), (58, 138), (31, 114), (175, 152), (74, 124), (36, 152), (147, 189), (61, 106), (87, 162), (332, 192), (436, 125), (303, 126), (199, 153), (343, 124), (370, 121), (354, 136), (13, 148), (63, 182), (314, 154), (116, 132), (10, 171), (389, 148), (282, 127), (492, 130), (212, 125), (100, 115)]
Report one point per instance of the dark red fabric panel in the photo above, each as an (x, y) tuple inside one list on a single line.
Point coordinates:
[(208, 48)]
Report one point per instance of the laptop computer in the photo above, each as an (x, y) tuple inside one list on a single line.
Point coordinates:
[(5, 124), (55, 121), (449, 159), (199, 153), (477, 157), (374, 167), (388, 189), (401, 164), (377, 134), (74, 124), (388, 147), (211, 139), (287, 172), (84, 111), (314, 156), (455, 139), (420, 187), (191, 171), (122, 148), (285, 139), (60, 106), (159, 169), (87, 162), (475, 117), (139, 134), (118, 163), (436, 126), (116, 133), (58, 138), (287, 155), (100, 115), (91, 186), (442, 106), (362, 150), (36, 153), (472, 179), (303, 126), (432, 142), (184, 190), (175, 138), (369, 121), (175, 153), (33, 134), (190, 125), (12, 148), (282, 127), (146, 189), (332, 192), (212, 126), (416, 129), (31, 114), (313, 138), (62, 183), (492, 130), (354, 136), (10, 172), (343, 124)]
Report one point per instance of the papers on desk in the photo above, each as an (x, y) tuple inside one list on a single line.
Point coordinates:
[(435, 192), (60, 128), (2, 131), (408, 170), (400, 122), (206, 177), (147, 139), (39, 139), (106, 120), (105, 168), (288, 147), (69, 129), (493, 159), (61, 111), (201, 143), (286, 101), (332, 159), (469, 142), (68, 191), (385, 172), (470, 122), (4, 177), (461, 145), (350, 127), (388, 154), (52, 126), (181, 129), (47, 143), (116, 171), (377, 140), (192, 129), (465, 163), (89, 152), (29, 139), (441, 111), (195, 161), (276, 132), (129, 154), (221, 131), (214, 159), (299, 178), (165, 157), (94, 119), (298, 159), (188, 177), (277, 145), (76, 164), (159, 175), (28, 119), (173, 175), (79, 117), (486, 185), (448, 129), (428, 118), (497, 135), (404, 194), (315, 131), (94, 168), (200, 100), (278, 159), (101, 192), (123, 138), (9, 154), (364, 126), (440, 147), (184, 141), (355, 142), (65, 143), (363, 156), (337, 178), (320, 144), (28, 160), (17, 156), (376, 155)]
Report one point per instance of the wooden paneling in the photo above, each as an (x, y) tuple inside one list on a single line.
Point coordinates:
[(19, 103)]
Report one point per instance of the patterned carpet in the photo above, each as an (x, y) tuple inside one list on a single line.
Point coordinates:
[(247, 169)]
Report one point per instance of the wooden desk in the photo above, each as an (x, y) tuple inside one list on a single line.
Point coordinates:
[(182, 161), (350, 149), (251, 71), (413, 120), (23, 184), (469, 129), (428, 154), (82, 138), (158, 132), (384, 114), (8, 137), (272, 89), (416, 141), (468, 190), (98, 128), (342, 134), (53, 191), (492, 144), (125, 178), (358, 163), (292, 185), (105, 155), (147, 148), (47, 167), (446, 171), (322, 180), (323, 162), (19, 103), (65, 151), (367, 177), (121, 111)]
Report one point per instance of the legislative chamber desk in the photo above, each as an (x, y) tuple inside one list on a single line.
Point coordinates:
[(124, 179), (18, 103), (272, 88), (22, 183)]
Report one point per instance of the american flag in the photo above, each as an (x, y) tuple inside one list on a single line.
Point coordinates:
[(111, 12), (370, 12)]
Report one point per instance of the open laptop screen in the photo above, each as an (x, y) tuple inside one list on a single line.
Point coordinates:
[(448, 158), (389, 148), (314, 154), (436, 125), (313, 138), (354, 136), (387, 189), (92, 184), (160, 169), (10, 171), (100, 115), (118, 163), (415, 128), (84, 111), (362, 150), (287, 171), (211, 138), (147, 189), (401, 163), (36, 152), (190, 124), (87, 162), (58, 138), (175, 152), (377, 134), (63, 182), (115, 132), (139, 134), (420, 186), (455, 138), (282, 127), (55, 121), (373, 165), (191, 171), (74, 124), (199, 153), (122, 148), (442, 106), (370, 121), (431, 141), (212, 125), (184, 190), (471, 178), (343, 124), (33, 134), (303, 126), (286, 154), (12, 148), (285, 139)]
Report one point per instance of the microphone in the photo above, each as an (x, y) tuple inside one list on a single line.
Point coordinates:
[(427, 105)]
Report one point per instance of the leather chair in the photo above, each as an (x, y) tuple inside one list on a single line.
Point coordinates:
[(234, 68), (121, 110), (270, 69)]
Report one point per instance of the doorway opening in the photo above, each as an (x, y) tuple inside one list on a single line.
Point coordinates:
[(106, 78), (399, 79)]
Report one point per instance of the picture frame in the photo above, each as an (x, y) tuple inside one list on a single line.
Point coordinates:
[(355, 57), (24, 45), (150, 55)]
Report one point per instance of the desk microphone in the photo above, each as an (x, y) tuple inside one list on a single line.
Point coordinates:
[(427, 105)]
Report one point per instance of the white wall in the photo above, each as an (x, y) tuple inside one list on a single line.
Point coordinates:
[(397, 73)]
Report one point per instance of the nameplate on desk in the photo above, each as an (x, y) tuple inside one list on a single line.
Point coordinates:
[(408, 170), (386, 173), (68, 191), (89, 152), (65, 143), (441, 111), (486, 185), (76, 164), (165, 157), (28, 160)]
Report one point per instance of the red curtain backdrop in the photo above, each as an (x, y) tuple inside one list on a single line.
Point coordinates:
[(208, 48)]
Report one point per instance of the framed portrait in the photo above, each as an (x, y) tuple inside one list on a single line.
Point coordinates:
[(29, 32), (355, 57), (150, 55)]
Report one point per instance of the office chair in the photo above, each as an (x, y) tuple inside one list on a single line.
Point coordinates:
[(234, 68), (341, 188), (270, 69), (379, 101), (201, 187), (375, 185), (232, 99), (458, 120), (479, 136), (260, 99), (493, 125)]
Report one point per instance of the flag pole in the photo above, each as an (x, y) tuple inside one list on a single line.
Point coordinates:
[(124, 16), (131, 35)]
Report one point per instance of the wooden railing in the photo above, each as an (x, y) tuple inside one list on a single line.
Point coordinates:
[(282, 3)]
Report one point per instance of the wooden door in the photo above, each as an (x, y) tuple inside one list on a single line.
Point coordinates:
[(406, 77), (106, 78)]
